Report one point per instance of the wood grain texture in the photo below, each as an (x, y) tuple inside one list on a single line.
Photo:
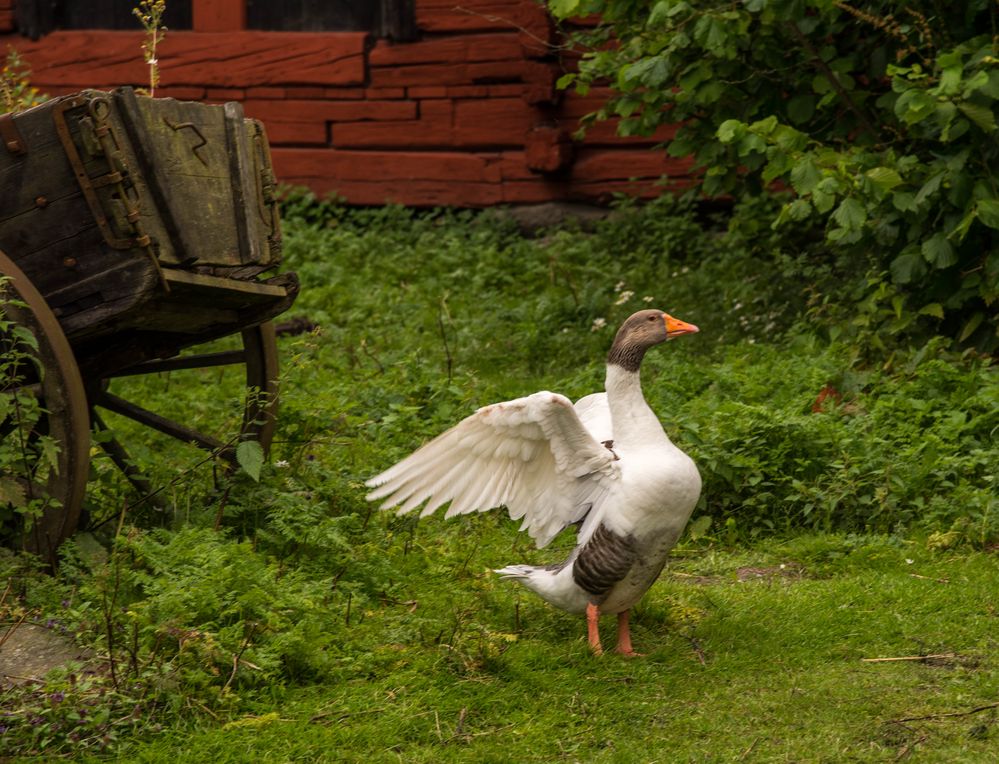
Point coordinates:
[(105, 59), (469, 114)]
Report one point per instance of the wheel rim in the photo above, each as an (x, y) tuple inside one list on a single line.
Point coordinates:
[(63, 418)]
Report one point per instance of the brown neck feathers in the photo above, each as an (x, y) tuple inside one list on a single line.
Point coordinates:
[(626, 355)]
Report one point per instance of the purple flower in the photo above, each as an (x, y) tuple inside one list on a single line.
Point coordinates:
[(57, 697)]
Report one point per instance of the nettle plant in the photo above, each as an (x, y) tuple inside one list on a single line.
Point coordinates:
[(880, 116), (27, 453)]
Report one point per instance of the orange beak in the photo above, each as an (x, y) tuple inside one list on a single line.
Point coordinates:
[(675, 327)]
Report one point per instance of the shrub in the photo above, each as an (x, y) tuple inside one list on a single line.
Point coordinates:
[(881, 118)]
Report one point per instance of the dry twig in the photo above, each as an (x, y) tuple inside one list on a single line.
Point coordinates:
[(938, 656), (951, 715)]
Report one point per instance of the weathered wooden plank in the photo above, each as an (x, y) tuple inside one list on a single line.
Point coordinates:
[(489, 72), (106, 59), (242, 292), (299, 121), (492, 122), (451, 50), (393, 168)]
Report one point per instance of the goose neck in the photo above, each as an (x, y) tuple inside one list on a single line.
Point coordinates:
[(632, 419)]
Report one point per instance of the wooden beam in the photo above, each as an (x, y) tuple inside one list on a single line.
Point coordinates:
[(219, 15)]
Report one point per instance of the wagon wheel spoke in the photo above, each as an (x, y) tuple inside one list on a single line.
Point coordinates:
[(193, 361), (151, 419), (258, 355), (56, 444), (117, 453)]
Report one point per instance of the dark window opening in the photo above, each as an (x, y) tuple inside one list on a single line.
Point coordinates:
[(383, 18), (115, 14), (38, 17)]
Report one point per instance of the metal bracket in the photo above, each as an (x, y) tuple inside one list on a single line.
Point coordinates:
[(11, 136), (99, 112)]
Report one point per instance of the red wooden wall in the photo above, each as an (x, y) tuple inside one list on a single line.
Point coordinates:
[(468, 115)]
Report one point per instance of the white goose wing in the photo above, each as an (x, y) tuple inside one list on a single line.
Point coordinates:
[(594, 412), (532, 454)]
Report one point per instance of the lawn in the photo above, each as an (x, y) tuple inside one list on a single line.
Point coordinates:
[(285, 619), (752, 655)]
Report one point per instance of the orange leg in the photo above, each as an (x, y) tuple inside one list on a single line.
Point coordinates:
[(624, 636), (592, 629)]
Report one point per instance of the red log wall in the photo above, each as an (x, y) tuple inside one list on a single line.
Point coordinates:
[(468, 115)]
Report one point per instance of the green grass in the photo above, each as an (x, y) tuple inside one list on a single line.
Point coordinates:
[(765, 669), (363, 636)]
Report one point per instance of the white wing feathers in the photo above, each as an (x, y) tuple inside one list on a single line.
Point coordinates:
[(594, 413), (532, 455)]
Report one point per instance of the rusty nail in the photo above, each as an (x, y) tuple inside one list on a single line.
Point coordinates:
[(69, 262), (41, 202)]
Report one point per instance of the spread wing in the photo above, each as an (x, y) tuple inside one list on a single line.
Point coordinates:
[(594, 413), (533, 455)]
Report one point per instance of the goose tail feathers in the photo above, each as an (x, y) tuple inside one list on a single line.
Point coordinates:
[(521, 572), (552, 583)]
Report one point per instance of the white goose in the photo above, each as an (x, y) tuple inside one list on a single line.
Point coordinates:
[(605, 463)]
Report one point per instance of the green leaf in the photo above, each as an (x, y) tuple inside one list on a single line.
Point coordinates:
[(961, 229), (969, 327), (904, 201), (564, 8), (850, 214), (991, 89), (980, 115), (11, 492), (987, 210), (801, 108), (25, 336), (660, 11), (950, 79), (50, 449), (823, 201), (764, 127), (250, 455), (907, 268), (914, 106), (884, 178), (789, 139), (712, 33), (751, 143), (565, 80), (805, 176), (978, 81), (729, 130), (934, 309), (939, 251), (929, 188)]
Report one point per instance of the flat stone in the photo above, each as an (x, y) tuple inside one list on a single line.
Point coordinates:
[(32, 651)]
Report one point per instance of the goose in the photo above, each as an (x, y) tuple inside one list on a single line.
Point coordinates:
[(604, 464)]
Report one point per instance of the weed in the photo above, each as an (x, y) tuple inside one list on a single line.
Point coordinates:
[(15, 86), (150, 15)]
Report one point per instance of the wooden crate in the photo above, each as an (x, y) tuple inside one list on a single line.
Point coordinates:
[(129, 212)]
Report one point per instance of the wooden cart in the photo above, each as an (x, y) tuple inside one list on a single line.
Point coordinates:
[(131, 229)]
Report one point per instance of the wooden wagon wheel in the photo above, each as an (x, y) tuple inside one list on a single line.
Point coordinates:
[(258, 354), (53, 479)]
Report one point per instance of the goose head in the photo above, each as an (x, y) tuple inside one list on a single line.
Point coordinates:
[(641, 331)]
